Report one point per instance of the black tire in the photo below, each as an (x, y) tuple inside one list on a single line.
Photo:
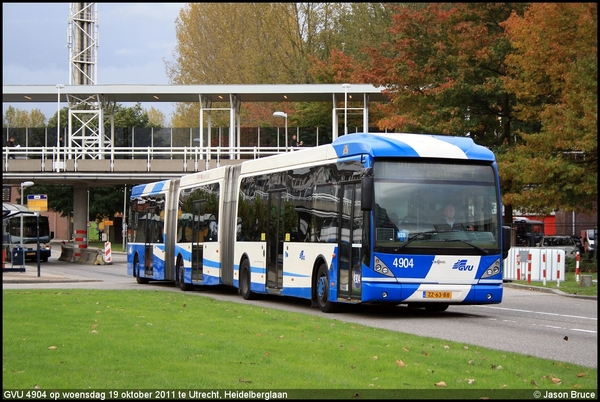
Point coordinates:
[(180, 277), (245, 281), (136, 272), (322, 291), (436, 307)]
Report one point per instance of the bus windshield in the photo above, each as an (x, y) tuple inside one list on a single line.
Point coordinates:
[(433, 208), (29, 230)]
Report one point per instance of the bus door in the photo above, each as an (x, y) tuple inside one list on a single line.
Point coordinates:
[(199, 230), (275, 237), (350, 245), (149, 240)]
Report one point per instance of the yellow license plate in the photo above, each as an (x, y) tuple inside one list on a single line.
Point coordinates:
[(438, 295)]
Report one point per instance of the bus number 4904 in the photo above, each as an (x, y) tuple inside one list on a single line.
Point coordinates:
[(404, 263)]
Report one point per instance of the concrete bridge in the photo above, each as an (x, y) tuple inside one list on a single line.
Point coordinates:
[(91, 155)]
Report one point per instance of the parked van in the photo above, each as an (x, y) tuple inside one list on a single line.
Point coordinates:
[(588, 237)]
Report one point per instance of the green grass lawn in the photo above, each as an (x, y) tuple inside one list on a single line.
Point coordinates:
[(144, 339)]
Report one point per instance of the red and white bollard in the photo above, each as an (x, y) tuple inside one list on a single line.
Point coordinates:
[(545, 268), (558, 271), (529, 268), (577, 258)]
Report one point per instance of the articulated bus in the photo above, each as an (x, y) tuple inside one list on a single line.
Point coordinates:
[(323, 224)]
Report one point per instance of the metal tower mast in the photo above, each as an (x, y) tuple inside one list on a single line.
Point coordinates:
[(87, 139), (83, 43)]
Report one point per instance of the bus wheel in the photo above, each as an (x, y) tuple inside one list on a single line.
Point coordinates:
[(245, 280), (322, 289), (180, 275), (436, 307), (136, 272)]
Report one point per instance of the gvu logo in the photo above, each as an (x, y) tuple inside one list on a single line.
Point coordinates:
[(302, 256), (461, 265)]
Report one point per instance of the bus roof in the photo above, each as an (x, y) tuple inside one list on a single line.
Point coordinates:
[(149, 189), (11, 210), (415, 145)]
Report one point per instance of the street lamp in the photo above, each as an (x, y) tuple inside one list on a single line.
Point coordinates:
[(58, 86), (23, 185), (346, 86), (284, 115)]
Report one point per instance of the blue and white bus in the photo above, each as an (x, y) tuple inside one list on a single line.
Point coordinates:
[(360, 220)]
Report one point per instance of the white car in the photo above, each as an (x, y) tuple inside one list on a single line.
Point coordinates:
[(562, 242)]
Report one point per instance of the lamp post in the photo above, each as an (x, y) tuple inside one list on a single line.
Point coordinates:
[(23, 185), (284, 115), (58, 87), (346, 86)]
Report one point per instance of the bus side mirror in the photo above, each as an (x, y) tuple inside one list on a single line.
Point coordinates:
[(367, 193), (506, 239)]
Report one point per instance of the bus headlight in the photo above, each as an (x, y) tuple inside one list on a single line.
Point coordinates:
[(381, 268), (493, 269)]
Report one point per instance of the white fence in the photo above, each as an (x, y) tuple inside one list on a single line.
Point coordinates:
[(535, 264)]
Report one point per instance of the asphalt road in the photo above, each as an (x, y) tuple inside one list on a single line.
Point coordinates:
[(530, 322)]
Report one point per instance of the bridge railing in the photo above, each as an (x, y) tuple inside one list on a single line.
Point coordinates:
[(109, 159)]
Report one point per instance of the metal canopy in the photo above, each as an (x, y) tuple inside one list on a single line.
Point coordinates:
[(189, 93)]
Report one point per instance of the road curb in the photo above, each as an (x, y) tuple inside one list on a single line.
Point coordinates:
[(547, 290)]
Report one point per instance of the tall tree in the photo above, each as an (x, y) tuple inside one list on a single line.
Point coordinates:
[(156, 117), (23, 118), (443, 71), (266, 43), (554, 73)]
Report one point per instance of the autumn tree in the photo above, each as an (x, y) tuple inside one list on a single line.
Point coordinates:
[(156, 117), (443, 70), (266, 43), (554, 72)]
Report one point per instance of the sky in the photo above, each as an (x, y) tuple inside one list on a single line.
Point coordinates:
[(134, 40)]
